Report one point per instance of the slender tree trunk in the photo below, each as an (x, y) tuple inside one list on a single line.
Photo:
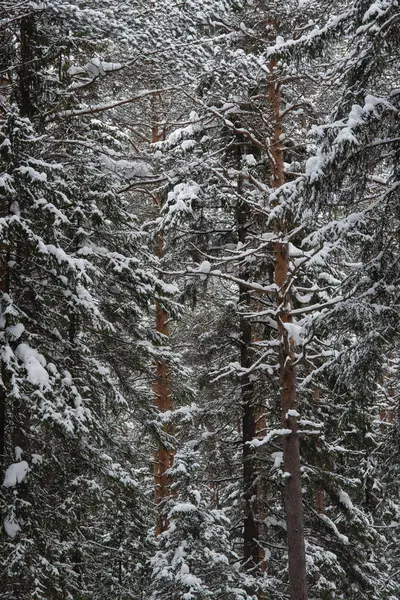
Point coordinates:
[(163, 457), (250, 533), (26, 72), (291, 442), (4, 287), (261, 430), (319, 496), (251, 546)]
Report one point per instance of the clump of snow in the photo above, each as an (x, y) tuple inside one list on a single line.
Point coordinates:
[(308, 423), (94, 68), (295, 333), (277, 458), (179, 202), (183, 133), (32, 173), (314, 168), (267, 237), (34, 363), (292, 413), (14, 208), (345, 499), (270, 435), (188, 144), (11, 528), (15, 474), (15, 331), (126, 169), (183, 507), (343, 538), (249, 160), (204, 269), (293, 251), (37, 459)]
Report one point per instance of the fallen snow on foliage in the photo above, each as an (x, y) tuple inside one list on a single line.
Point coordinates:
[(34, 363), (183, 507), (249, 160), (188, 144), (125, 169), (314, 168), (32, 173), (183, 133), (15, 474), (179, 203), (15, 331), (204, 269), (345, 499), (343, 538), (277, 458), (94, 68), (292, 413), (11, 528), (295, 333), (270, 435)]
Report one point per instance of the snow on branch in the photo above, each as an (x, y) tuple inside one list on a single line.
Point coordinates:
[(92, 110)]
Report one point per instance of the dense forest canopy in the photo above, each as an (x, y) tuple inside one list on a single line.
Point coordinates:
[(199, 300)]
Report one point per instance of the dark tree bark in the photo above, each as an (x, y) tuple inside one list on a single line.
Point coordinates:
[(251, 553), (27, 80), (4, 287)]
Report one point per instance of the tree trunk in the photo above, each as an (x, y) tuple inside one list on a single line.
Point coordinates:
[(291, 442), (26, 72), (251, 546), (319, 496), (4, 286), (163, 457), (250, 532)]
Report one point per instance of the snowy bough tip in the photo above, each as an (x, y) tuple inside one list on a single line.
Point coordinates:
[(15, 474)]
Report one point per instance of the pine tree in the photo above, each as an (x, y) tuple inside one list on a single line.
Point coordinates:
[(194, 559), (74, 291)]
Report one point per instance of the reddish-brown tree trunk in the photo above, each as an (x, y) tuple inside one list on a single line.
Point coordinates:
[(291, 442), (164, 456)]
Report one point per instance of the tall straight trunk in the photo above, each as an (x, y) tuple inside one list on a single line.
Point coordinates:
[(27, 77), (319, 497), (291, 442), (4, 288), (260, 432), (164, 456), (251, 553), (251, 546)]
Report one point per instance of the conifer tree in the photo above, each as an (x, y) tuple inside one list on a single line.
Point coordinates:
[(74, 291)]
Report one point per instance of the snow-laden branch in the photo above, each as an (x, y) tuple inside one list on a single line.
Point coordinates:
[(92, 110)]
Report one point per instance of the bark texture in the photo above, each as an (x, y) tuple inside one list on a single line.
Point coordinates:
[(250, 532), (164, 456), (3, 392), (291, 442)]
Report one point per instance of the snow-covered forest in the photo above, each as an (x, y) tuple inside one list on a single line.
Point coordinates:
[(199, 300)]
